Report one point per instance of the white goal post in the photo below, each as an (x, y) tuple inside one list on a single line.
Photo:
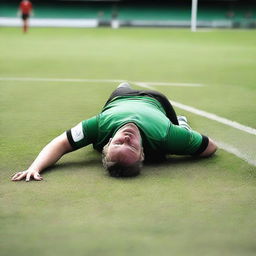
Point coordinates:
[(193, 15)]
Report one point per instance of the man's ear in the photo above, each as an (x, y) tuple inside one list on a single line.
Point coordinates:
[(106, 146)]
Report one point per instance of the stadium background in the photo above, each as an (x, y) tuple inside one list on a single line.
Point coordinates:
[(52, 78), (172, 13)]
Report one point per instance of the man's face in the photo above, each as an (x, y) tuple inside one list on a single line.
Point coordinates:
[(125, 146)]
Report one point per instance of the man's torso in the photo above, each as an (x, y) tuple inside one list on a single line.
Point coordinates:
[(25, 7)]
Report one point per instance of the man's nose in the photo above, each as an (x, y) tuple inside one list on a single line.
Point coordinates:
[(126, 138)]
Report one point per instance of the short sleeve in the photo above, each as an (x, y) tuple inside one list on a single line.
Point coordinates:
[(83, 133), (181, 141)]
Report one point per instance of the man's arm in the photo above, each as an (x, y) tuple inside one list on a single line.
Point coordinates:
[(210, 149), (49, 155)]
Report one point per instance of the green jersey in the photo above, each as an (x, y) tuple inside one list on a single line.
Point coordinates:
[(158, 134)]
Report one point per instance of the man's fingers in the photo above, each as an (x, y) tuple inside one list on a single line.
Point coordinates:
[(37, 176), (28, 176), (16, 175), (19, 176)]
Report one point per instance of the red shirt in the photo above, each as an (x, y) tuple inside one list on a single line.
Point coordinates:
[(25, 7)]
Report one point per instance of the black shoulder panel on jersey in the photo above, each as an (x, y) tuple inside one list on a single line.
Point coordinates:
[(70, 139)]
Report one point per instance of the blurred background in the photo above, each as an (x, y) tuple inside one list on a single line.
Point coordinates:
[(51, 78), (137, 13)]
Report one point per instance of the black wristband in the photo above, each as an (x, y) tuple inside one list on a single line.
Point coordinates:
[(203, 146)]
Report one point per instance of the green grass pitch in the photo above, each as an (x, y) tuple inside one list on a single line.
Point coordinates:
[(180, 207)]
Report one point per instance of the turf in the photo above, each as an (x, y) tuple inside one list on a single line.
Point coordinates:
[(182, 206)]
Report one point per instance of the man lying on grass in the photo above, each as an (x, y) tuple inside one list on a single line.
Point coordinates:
[(133, 125)]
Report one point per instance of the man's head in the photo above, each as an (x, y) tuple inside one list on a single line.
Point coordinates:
[(123, 155)]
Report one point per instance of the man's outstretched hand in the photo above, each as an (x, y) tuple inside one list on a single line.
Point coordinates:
[(28, 174), (48, 156)]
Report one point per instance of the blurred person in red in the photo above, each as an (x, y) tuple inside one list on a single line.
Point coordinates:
[(25, 10)]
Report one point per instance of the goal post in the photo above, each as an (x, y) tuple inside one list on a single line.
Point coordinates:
[(194, 15)]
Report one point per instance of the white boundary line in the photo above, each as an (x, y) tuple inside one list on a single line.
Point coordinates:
[(31, 79), (168, 84), (215, 118), (148, 85), (224, 146), (208, 115), (236, 152)]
